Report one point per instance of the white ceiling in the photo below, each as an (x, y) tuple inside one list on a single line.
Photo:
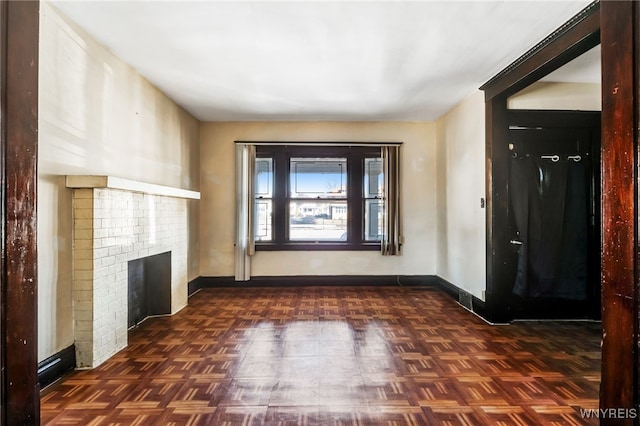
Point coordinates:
[(325, 60)]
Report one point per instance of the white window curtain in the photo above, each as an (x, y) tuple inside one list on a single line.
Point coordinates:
[(391, 233), (245, 244)]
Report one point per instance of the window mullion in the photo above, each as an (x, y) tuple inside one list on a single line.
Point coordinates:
[(354, 198), (281, 194)]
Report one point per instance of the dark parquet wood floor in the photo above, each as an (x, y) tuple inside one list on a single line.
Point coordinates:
[(335, 356)]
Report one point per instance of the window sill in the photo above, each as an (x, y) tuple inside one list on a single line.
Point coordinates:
[(317, 246)]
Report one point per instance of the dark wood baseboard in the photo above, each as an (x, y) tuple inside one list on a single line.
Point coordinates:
[(56, 366), (193, 286), (466, 299), (314, 280)]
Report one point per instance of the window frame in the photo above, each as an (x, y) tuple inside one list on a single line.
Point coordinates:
[(281, 155)]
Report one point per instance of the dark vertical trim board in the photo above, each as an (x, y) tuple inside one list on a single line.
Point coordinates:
[(3, 207), (496, 207), (19, 66), (636, 127), (619, 386)]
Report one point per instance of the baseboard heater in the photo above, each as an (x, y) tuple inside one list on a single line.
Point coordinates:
[(56, 366)]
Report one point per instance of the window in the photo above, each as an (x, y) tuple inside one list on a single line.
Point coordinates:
[(318, 197), (373, 184)]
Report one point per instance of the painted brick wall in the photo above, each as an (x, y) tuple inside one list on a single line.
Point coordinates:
[(112, 227)]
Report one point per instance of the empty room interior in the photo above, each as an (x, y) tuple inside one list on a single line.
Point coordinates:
[(334, 212)]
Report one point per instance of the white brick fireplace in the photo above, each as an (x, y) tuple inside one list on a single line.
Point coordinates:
[(115, 221)]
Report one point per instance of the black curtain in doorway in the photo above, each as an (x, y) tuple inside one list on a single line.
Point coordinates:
[(549, 202)]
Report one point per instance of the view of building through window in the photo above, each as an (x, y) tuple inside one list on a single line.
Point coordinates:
[(318, 199), (264, 199), (309, 197), (373, 186)]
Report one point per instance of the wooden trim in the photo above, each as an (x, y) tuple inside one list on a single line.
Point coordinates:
[(3, 207), (576, 36), (56, 366), (193, 286), (320, 143), (496, 206), (315, 280), (20, 32), (475, 304), (620, 99), (279, 226), (320, 246), (636, 126), (541, 118)]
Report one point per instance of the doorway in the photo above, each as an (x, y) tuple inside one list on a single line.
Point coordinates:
[(619, 185), (553, 215), (573, 39)]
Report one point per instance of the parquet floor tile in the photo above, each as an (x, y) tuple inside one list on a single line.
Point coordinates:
[(335, 356)]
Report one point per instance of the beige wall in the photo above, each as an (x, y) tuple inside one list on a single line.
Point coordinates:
[(418, 190), (461, 221), (558, 96), (97, 115)]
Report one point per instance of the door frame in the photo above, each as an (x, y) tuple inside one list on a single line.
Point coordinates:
[(19, 37), (620, 379), (574, 38), (617, 23)]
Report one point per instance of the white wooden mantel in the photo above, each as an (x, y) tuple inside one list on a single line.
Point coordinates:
[(112, 182)]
